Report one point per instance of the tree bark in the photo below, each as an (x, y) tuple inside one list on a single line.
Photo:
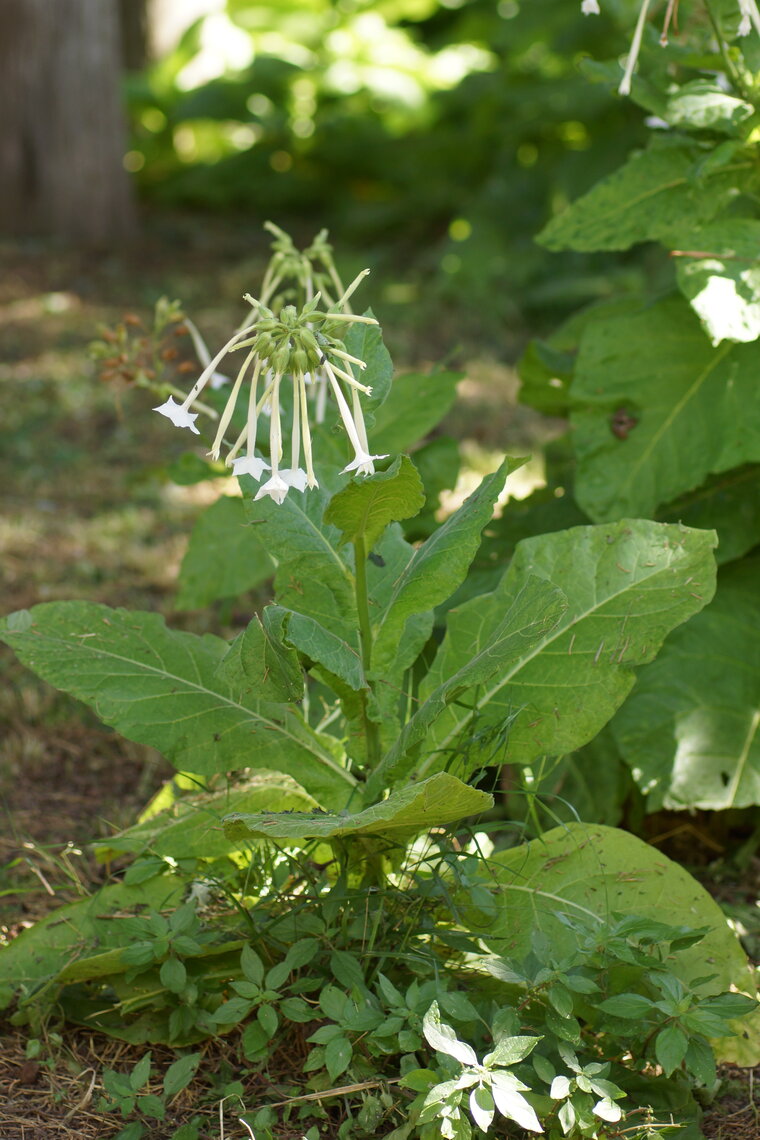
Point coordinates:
[(63, 134), (133, 22)]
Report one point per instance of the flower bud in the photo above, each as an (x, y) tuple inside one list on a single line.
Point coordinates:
[(299, 361), (280, 359)]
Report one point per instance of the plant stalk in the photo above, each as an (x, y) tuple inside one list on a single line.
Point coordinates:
[(371, 728)]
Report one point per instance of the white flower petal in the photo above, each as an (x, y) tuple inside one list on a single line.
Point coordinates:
[(178, 414), (250, 465), (276, 488), (362, 464), (294, 477), (590, 7)]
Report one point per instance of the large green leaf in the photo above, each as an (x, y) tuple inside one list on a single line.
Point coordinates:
[(492, 650), (718, 270), (694, 409), (417, 807), (192, 827), (547, 366), (225, 557), (414, 405), (545, 375), (433, 572), (690, 729), (644, 200), (701, 104), (364, 508), (65, 934), (627, 585), (313, 577), (321, 646), (160, 687), (259, 664), (393, 555), (589, 872)]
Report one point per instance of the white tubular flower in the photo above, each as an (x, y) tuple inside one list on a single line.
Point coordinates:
[(633, 54), (250, 465), (218, 379), (590, 7), (362, 463), (285, 349), (178, 414), (750, 17), (276, 488), (294, 477)]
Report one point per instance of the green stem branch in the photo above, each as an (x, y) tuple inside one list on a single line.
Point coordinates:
[(733, 71)]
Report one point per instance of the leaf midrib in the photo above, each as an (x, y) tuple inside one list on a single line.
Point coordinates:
[(164, 673), (676, 410), (556, 633)]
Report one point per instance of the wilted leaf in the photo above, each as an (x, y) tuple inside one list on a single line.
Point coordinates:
[(428, 803)]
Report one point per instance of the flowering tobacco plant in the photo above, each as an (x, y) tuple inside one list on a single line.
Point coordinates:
[(293, 353), (356, 716)]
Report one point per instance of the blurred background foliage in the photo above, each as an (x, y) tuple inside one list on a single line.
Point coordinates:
[(433, 135)]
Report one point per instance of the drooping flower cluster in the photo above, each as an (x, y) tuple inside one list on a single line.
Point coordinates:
[(292, 355), (748, 10)]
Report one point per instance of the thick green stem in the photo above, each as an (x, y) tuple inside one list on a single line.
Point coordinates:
[(371, 728), (733, 71)]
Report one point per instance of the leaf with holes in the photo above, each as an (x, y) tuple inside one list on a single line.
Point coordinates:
[(645, 200), (695, 409)]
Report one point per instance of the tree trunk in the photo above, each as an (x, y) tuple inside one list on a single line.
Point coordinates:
[(63, 134), (133, 21)]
